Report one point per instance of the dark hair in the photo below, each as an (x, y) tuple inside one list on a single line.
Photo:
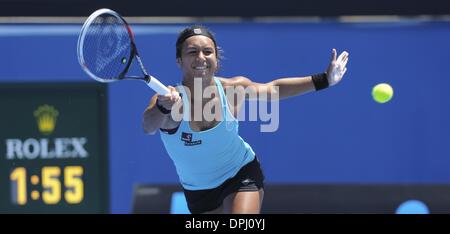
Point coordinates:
[(194, 31)]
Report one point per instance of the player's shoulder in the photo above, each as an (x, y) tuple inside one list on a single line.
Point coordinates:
[(234, 81)]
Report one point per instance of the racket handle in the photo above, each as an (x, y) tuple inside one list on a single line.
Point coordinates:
[(157, 86)]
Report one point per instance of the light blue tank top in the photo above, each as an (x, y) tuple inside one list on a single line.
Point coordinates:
[(206, 159)]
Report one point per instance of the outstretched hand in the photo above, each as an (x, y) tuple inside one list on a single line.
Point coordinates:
[(168, 100), (337, 69)]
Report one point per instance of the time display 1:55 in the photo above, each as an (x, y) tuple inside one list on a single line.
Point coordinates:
[(50, 181)]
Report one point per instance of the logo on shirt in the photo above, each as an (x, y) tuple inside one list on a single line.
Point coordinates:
[(187, 138), (247, 181)]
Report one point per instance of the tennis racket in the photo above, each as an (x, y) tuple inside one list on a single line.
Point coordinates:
[(106, 50)]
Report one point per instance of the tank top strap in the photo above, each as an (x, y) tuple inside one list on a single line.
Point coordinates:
[(223, 97), (186, 103)]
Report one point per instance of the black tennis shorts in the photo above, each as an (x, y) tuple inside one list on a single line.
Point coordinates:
[(249, 178)]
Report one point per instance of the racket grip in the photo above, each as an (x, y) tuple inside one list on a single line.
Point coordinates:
[(157, 86)]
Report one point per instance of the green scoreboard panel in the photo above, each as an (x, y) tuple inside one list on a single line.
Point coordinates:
[(53, 145)]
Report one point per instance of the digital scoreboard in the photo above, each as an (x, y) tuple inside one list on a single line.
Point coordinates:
[(53, 148)]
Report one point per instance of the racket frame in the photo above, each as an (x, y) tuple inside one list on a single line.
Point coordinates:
[(151, 81)]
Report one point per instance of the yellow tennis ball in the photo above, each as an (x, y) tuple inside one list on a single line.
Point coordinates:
[(382, 93)]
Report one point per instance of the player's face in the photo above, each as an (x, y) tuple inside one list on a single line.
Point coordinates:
[(198, 57)]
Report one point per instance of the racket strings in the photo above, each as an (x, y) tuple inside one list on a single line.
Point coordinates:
[(107, 47)]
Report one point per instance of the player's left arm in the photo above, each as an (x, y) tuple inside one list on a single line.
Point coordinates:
[(288, 87)]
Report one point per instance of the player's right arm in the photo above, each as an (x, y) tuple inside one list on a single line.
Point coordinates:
[(154, 118)]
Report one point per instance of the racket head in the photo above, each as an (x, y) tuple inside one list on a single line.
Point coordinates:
[(105, 46)]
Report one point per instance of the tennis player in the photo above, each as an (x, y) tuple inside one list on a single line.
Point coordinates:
[(219, 171)]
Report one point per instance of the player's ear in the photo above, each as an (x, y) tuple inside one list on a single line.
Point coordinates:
[(179, 62)]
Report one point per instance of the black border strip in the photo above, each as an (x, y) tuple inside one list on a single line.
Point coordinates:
[(233, 8)]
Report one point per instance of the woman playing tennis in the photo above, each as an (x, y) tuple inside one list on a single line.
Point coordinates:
[(218, 170)]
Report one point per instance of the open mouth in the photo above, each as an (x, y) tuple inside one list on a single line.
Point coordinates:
[(200, 68)]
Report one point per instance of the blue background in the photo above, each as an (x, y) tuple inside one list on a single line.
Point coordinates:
[(338, 135)]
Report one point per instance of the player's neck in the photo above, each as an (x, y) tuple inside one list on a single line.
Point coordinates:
[(196, 89), (198, 84)]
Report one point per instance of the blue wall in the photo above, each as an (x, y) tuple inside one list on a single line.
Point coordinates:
[(339, 135)]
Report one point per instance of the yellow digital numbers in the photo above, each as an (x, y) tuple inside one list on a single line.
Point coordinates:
[(51, 185), (19, 186), (74, 184)]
